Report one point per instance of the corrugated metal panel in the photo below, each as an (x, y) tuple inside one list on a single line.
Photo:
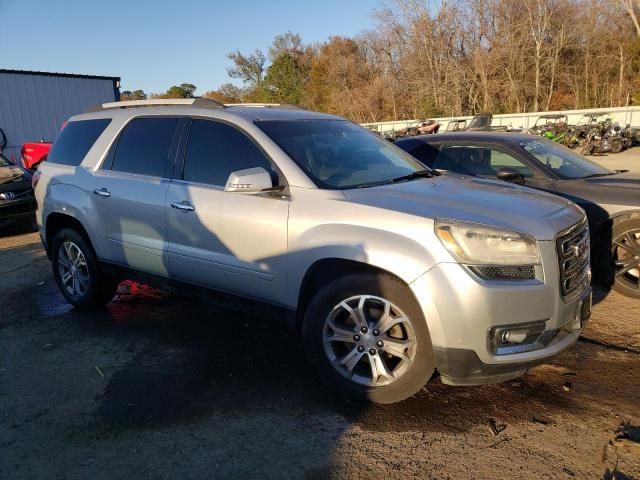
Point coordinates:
[(34, 107)]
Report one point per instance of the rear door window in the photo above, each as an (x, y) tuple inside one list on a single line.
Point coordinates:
[(216, 149), (145, 145), (75, 140)]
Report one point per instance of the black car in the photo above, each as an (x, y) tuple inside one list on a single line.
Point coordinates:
[(16, 194), (610, 198)]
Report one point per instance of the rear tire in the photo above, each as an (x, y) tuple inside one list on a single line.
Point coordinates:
[(625, 251), (616, 145), (77, 272), (375, 374)]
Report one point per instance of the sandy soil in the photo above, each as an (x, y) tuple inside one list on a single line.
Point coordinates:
[(157, 386)]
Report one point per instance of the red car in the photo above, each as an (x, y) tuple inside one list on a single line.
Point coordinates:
[(34, 153)]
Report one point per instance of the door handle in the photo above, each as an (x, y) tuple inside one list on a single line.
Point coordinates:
[(183, 206), (102, 192)]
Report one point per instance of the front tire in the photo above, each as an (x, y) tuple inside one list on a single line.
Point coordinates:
[(625, 251), (77, 272), (366, 335)]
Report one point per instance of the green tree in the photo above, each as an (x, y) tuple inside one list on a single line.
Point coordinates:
[(135, 95), (285, 80), (184, 90)]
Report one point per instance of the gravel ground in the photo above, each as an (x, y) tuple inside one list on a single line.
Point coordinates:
[(156, 386)]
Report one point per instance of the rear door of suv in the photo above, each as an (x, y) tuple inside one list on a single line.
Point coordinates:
[(230, 241), (129, 191)]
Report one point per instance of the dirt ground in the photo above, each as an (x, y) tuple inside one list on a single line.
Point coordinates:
[(157, 386)]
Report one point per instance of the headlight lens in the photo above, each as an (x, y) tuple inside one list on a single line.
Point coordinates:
[(474, 244)]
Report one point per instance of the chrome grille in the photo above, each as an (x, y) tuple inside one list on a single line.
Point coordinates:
[(15, 195), (573, 257)]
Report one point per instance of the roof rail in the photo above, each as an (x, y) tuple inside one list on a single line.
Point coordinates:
[(194, 102), (265, 105)]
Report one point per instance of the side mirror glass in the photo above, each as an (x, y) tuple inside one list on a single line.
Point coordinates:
[(250, 180), (509, 174)]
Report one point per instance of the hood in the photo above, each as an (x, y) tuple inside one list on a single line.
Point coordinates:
[(621, 189), (617, 180), (13, 177), (487, 202)]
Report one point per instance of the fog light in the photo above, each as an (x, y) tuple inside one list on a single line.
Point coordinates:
[(516, 338)]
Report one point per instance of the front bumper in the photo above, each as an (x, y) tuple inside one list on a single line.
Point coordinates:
[(461, 310), (18, 208)]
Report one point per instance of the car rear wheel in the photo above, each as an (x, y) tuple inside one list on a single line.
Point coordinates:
[(77, 272), (625, 251), (365, 334)]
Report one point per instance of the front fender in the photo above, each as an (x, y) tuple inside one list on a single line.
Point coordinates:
[(397, 254)]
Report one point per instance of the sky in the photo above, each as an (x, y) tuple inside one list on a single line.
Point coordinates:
[(153, 45)]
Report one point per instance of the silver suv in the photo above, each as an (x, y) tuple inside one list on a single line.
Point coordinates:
[(390, 270)]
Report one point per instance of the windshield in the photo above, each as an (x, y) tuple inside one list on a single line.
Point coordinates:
[(565, 163), (338, 154)]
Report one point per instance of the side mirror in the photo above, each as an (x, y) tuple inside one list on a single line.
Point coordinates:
[(509, 174), (250, 180)]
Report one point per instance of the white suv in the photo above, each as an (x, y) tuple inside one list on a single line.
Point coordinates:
[(391, 271)]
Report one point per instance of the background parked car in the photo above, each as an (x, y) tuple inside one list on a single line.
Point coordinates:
[(610, 198), (16, 194)]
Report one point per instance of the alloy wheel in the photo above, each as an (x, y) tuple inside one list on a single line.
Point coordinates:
[(626, 254), (369, 340), (73, 269)]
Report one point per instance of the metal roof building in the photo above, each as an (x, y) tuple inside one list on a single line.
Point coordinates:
[(34, 105)]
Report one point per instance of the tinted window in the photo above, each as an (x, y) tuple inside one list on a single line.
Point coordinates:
[(75, 140), (478, 161), (426, 153), (216, 149), (144, 145), (340, 154)]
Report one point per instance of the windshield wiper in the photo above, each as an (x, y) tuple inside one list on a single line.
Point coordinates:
[(413, 176), (594, 175)]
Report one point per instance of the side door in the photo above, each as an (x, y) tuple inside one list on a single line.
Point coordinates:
[(129, 194), (230, 241)]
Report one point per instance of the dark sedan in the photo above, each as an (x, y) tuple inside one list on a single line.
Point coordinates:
[(610, 198), (16, 195)]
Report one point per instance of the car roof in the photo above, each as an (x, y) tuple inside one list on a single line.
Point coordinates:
[(276, 113), (452, 137)]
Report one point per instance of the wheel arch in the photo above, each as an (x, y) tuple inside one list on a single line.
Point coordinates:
[(326, 270), (56, 221)]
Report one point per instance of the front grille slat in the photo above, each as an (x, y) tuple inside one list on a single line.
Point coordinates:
[(573, 258)]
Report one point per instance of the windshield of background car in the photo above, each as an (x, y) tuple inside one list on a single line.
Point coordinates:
[(337, 154), (564, 162)]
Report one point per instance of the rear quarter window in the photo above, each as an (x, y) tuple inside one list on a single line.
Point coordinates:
[(75, 140)]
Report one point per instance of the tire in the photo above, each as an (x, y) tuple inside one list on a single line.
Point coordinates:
[(616, 145), (93, 288), (401, 377), (587, 148), (625, 251)]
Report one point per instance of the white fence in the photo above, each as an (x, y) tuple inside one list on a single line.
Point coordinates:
[(622, 115)]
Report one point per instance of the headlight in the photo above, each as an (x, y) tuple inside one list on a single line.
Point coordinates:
[(491, 252)]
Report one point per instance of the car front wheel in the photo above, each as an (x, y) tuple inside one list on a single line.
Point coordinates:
[(366, 335), (77, 272), (625, 251)]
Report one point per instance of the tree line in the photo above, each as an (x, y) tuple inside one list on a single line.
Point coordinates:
[(452, 57)]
